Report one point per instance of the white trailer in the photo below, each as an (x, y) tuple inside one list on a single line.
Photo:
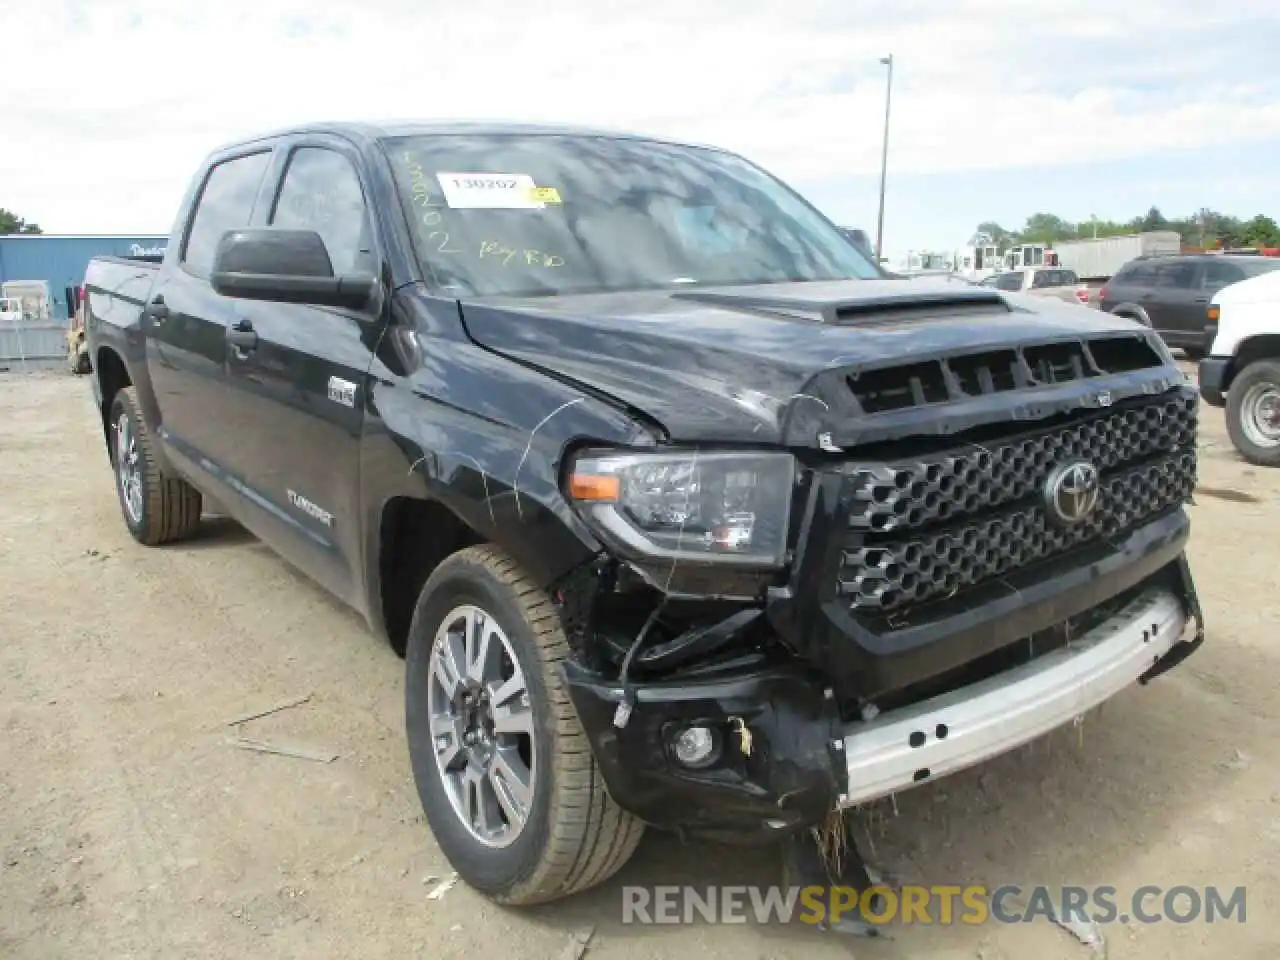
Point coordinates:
[(977, 262), (1101, 258)]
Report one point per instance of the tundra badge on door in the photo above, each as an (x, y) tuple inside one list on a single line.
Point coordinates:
[(342, 391)]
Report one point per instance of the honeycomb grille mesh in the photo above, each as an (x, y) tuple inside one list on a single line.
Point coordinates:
[(894, 496), (926, 529)]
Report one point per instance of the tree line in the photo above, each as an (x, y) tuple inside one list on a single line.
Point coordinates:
[(1204, 228), (12, 223)]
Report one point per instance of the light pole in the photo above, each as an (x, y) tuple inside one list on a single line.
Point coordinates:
[(884, 158)]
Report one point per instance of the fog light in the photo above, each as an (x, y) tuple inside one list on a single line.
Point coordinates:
[(696, 747)]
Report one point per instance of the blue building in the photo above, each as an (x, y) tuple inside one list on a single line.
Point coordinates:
[(59, 261)]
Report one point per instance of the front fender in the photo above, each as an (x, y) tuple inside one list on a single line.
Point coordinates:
[(1134, 310), (485, 437)]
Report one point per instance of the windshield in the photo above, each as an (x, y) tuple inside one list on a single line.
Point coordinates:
[(502, 214)]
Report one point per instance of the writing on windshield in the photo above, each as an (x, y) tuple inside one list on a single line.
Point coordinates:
[(506, 214)]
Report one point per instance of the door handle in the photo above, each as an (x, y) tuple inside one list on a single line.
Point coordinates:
[(242, 336), (156, 309), (1201, 300)]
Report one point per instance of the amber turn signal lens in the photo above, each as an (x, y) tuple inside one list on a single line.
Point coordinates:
[(594, 487), (1213, 312)]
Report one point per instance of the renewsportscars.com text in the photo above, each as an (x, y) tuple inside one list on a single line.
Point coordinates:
[(941, 904)]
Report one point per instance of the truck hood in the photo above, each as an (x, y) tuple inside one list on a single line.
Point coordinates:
[(774, 363)]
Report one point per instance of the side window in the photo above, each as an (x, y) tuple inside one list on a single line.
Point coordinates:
[(1136, 274), (321, 192), (1009, 281), (225, 203), (1178, 275), (1067, 276), (1218, 274)]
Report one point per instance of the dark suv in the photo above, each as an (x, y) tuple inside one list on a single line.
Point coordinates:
[(1171, 294)]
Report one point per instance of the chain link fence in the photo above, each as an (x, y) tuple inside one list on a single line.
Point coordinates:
[(32, 345)]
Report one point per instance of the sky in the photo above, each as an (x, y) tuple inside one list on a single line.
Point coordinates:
[(1000, 108)]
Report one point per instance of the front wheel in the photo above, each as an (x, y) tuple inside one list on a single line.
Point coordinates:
[(502, 765), (1253, 413)]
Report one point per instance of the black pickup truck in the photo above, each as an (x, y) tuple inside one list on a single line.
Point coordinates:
[(681, 512)]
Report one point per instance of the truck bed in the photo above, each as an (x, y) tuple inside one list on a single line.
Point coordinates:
[(125, 278), (115, 290)]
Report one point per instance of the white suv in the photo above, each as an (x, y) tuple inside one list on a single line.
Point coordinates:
[(1242, 368)]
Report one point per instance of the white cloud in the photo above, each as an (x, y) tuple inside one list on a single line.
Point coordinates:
[(132, 93)]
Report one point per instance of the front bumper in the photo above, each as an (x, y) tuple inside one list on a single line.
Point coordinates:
[(983, 720), (1215, 373), (797, 760)]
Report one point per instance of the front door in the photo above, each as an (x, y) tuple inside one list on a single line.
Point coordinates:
[(185, 322), (297, 381)]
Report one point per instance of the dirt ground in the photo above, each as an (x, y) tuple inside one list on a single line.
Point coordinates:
[(129, 828)]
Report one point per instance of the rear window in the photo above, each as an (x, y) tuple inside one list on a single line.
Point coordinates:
[(1135, 273), (226, 203), (1008, 281)]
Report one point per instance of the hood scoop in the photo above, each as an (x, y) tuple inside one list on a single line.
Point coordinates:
[(881, 309)]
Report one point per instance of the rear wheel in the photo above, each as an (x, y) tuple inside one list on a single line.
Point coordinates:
[(1253, 413), (502, 766), (156, 508)]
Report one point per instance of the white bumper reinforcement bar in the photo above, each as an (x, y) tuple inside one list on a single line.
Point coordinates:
[(927, 740)]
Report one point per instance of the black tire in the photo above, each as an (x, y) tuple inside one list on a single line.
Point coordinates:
[(1260, 373), (169, 507), (575, 836)]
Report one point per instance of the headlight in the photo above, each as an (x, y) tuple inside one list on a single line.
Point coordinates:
[(727, 507)]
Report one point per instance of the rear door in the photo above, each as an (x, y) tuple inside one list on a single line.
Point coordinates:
[(1217, 273), (185, 322), (298, 390)]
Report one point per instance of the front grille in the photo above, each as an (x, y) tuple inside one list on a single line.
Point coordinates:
[(928, 528), (961, 377), (891, 496)]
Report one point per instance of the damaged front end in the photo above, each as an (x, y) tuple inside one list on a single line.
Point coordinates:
[(722, 732), (787, 641), (700, 720)]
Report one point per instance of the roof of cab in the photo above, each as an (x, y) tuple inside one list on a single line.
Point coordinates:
[(373, 131)]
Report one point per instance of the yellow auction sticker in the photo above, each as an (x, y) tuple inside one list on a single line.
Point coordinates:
[(546, 194)]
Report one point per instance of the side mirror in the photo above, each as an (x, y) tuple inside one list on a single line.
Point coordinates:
[(285, 266)]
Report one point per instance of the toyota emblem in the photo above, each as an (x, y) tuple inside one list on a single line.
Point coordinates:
[(1071, 493)]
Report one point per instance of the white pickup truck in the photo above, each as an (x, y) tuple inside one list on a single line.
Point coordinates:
[(1241, 370), (1056, 282)]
